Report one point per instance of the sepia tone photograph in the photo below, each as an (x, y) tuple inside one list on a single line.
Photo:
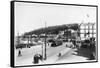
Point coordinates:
[(46, 33)]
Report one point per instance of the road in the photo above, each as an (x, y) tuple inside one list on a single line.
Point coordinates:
[(52, 55)]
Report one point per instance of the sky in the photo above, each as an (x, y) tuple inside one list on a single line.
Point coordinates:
[(31, 16)]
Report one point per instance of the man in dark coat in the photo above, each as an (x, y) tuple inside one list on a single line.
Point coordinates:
[(19, 53)]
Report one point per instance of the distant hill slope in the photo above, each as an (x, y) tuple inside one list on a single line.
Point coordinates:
[(53, 29)]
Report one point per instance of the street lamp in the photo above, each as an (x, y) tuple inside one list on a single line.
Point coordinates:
[(45, 55)]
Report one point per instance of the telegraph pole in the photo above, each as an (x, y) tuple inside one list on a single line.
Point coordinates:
[(88, 25), (93, 30), (45, 43), (18, 39)]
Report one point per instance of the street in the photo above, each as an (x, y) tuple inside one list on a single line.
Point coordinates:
[(68, 55)]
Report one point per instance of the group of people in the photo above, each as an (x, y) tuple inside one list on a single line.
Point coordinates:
[(36, 58), (92, 48), (72, 44)]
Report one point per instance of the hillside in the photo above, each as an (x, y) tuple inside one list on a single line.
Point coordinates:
[(53, 29)]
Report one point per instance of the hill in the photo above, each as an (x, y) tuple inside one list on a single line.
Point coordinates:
[(53, 29)]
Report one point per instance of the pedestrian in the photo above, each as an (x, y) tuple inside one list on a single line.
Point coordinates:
[(19, 53), (36, 59), (92, 49), (40, 57), (74, 42), (59, 54)]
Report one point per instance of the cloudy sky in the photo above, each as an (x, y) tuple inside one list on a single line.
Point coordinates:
[(31, 16)]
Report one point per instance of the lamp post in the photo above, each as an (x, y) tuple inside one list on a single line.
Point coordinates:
[(18, 39), (93, 30), (45, 55)]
